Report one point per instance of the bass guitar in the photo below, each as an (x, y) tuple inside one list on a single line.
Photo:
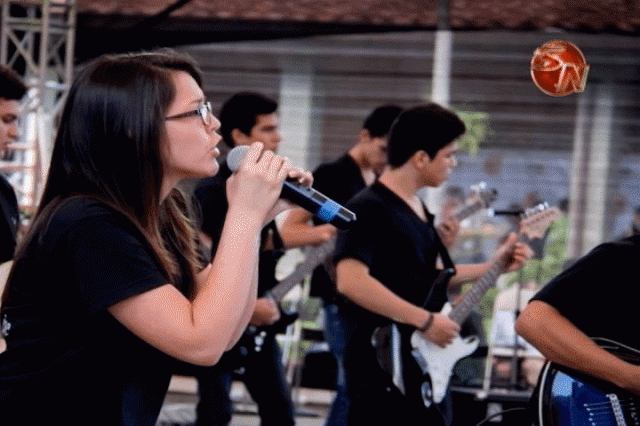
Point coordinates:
[(437, 363), (564, 397)]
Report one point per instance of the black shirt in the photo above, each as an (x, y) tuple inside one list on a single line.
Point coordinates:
[(398, 247), (68, 359), (340, 181), (400, 250), (10, 220), (599, 294)]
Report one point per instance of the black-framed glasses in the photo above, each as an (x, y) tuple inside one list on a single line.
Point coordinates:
[(204, 111)]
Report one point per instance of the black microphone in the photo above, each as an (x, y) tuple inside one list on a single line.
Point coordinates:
[(322, 207)]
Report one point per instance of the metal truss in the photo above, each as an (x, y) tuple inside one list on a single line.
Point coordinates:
[(37, 40)]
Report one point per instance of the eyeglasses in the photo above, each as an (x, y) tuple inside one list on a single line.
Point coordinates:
[(204, 111)]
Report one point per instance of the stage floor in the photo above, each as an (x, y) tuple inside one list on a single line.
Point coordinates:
[(312, 405)]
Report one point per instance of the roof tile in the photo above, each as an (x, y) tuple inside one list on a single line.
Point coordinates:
[(623, 15)]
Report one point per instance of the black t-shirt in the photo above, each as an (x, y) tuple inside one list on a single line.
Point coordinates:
[(599, 294), (68, 360), (340, 181), (400, 251), (9, 221), (398, 247)]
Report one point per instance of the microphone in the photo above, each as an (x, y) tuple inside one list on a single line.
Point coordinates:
[(322, 207)]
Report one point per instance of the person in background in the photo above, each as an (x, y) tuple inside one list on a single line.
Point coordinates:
[(12, 90), (107, 291), (246, 117), (340, 180)]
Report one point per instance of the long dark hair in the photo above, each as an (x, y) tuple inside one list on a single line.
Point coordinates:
[(108, 147)]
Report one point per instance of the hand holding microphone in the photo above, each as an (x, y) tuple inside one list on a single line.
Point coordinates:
[(308, 198)]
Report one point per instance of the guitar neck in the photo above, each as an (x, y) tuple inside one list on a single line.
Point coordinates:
[(315, 257), (462, 309), (535, 222), (467, 211)]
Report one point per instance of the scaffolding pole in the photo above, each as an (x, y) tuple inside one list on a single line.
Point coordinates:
[(37, 40)]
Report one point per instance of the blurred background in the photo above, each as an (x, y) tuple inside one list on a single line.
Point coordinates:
[(330, 62)]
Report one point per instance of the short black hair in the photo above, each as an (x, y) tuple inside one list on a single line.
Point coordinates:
[(241, 112), (379, 122), (427, 127), (11, 87)]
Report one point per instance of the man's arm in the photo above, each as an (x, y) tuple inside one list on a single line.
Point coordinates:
[(563, 343), (512, 252), (355, 283), (297, 230), (266, 312)]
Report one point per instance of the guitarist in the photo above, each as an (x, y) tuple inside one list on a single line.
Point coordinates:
[(246, 117), (340, 180), (386, 263), (597, 297)]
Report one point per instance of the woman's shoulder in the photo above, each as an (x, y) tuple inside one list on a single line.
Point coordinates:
[(76, 209), (81, 212)]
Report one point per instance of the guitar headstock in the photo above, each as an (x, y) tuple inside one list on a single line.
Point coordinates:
[(483, 194), (536, 220)]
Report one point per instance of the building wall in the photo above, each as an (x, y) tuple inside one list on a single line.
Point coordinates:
[(533, 138)]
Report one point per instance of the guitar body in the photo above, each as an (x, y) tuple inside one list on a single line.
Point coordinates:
[(253, 338), (437, 362), (568, 398)]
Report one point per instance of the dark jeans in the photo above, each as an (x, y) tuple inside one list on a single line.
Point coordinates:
[(373, 398), (334, 334), (262, 375)]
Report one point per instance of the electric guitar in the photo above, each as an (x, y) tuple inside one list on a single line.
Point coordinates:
[(565, 397), (437, 363), (253, 338), (387, 340), (482, 199)]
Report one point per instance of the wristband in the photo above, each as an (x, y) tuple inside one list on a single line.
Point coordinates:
[(427, 323)]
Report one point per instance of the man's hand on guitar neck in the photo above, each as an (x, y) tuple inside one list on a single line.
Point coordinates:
[(266, 312), (448, 231), (515, 253)]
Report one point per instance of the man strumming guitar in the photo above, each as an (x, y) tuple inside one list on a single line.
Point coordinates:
[(583, 323), (386, 263)]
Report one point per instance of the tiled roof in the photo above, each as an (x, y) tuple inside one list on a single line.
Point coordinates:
[(584, 15)]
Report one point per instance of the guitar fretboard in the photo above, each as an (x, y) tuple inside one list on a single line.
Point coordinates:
[(467, 211), (315, 257), (463, 308), (539, 219)]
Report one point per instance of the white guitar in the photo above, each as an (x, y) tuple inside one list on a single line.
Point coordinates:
[(437, 362)]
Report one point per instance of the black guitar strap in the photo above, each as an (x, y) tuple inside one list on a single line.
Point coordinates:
[(269, 258), (437, 296)]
